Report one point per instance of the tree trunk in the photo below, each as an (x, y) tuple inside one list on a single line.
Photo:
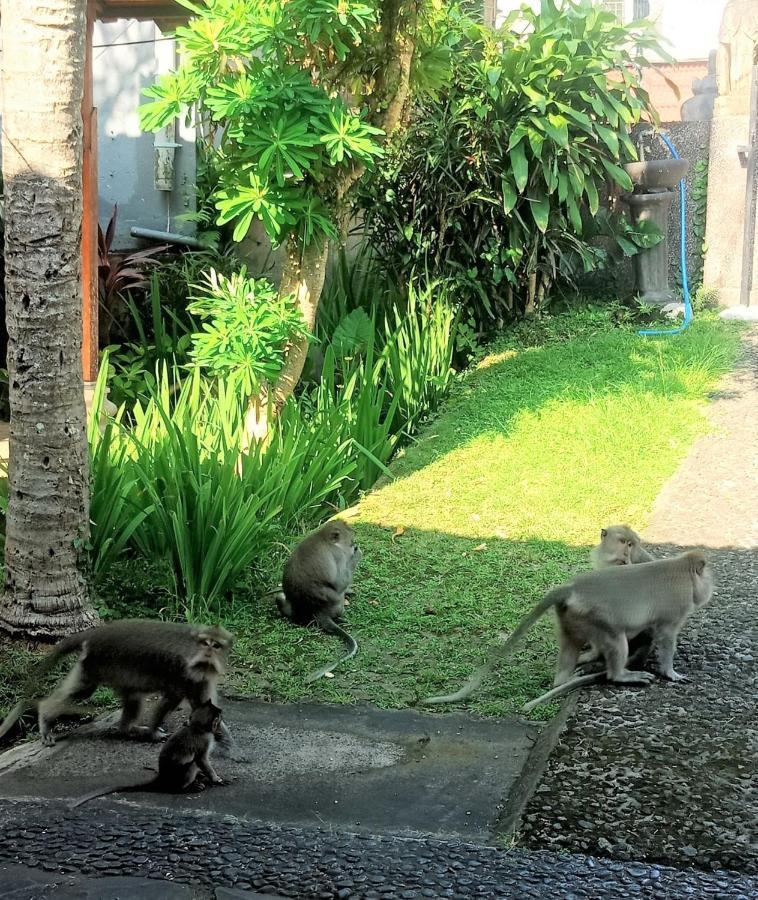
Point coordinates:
[(305, 268), (48, 507)]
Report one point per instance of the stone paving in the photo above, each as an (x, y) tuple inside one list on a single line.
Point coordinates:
[(669, 773), (650, 793), (318, 864)]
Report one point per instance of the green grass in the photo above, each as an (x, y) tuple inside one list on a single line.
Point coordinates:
[(568, 425)]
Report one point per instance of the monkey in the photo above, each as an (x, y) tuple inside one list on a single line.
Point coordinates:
[(135, 657), (606, 608), (619, 546), (184, 756), (316, 578)]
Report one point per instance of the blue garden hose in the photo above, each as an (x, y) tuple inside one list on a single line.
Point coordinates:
[(682, 251)]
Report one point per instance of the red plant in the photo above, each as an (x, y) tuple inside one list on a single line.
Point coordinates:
[(118, 274)]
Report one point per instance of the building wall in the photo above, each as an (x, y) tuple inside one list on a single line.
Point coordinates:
[(137, 52)]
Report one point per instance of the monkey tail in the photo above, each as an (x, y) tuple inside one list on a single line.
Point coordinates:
[(328, 625), (62, 648), (571, 685), (552, 598), (118, 789), (15, 714)]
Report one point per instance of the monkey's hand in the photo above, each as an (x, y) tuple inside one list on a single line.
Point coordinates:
[(48, 740)]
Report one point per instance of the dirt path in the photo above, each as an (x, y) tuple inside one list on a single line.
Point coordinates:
[(669, 774)]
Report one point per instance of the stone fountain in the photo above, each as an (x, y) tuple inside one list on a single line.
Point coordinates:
[(654, 181)]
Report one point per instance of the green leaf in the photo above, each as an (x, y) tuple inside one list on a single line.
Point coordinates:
[(617, 174), (520, 166), (592, 195), (541, 212), (510, 197)]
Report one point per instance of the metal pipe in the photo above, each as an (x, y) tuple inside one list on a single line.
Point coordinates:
[(168, 237)]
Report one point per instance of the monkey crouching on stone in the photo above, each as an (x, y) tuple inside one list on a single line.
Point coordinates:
[(184, 757), (605, 609), (136, 658), (316, 579)]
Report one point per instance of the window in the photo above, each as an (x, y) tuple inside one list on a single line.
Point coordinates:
[(641, 9), (616, 7)]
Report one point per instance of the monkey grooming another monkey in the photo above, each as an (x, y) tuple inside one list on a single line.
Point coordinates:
[(315, 581), (184, 756), (136, 658), (607, 607)]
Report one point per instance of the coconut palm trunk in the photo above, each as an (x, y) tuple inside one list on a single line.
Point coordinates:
[(48, 508)]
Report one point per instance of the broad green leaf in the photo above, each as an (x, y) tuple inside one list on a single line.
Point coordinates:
[(541, 212), (520, 166)]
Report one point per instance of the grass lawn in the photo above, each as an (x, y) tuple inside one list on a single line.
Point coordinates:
[(568, 424)]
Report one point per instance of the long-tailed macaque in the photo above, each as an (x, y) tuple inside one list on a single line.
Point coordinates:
[(185, 756), (136, 657), (619, 546), (315, 581), (606, 608)]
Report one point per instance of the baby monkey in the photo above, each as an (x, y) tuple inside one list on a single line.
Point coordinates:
[(184, 757), (316, 579)]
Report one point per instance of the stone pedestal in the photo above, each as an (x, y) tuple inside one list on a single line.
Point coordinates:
[(651, 265)]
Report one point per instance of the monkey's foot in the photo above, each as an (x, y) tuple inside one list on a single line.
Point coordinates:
[(671, 675), (47, 740), (627, 677)]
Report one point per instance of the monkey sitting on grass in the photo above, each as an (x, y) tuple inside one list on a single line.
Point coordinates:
[(316, 579)]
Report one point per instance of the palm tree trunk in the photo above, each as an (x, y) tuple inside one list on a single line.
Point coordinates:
[(48, 508)]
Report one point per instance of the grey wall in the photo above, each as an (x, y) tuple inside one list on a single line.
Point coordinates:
[(126, 157)]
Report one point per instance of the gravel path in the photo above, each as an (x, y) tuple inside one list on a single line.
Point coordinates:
[(321, 864), (668, 774)]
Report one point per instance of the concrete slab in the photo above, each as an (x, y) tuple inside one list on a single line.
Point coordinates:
[(348, 768)]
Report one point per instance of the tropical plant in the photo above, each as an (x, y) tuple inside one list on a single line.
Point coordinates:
[(118, 276), (246, 326), (174, 486), (298, 96), (495, 180)]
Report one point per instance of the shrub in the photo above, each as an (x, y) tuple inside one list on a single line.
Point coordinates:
[(246, 328), (493, 183), (174, 485)]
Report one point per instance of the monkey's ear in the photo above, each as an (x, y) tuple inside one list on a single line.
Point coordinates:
[(603, 533), (700, 566)]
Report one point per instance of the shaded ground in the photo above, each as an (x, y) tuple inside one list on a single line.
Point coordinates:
[(670, 773), (665, 775), (398, 772)]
